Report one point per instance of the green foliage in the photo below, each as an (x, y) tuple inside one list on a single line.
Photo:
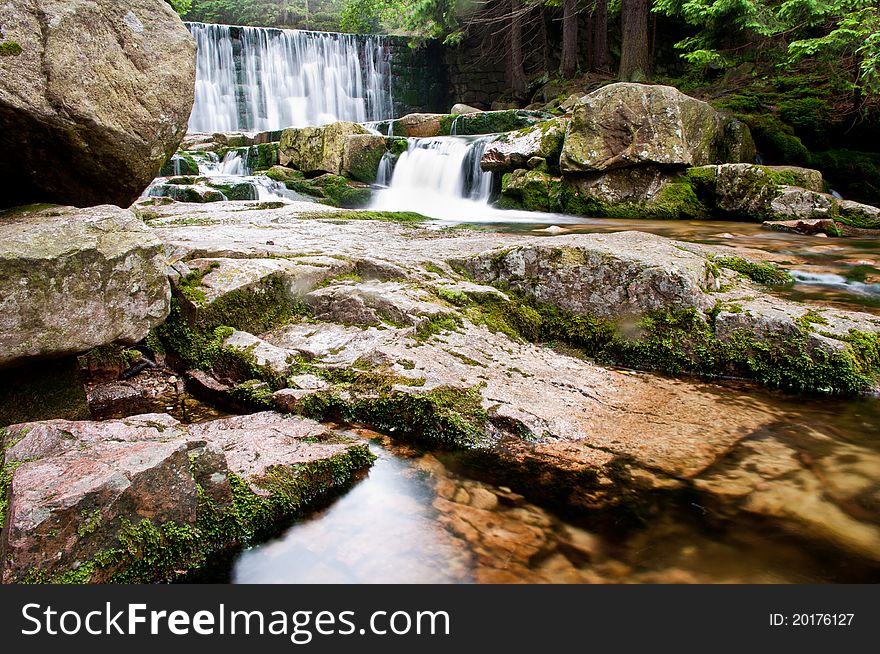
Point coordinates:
[(180, 6), (842, 34)]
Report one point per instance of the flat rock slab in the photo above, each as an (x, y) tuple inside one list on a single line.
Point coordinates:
[(73, 279), (78, 487)]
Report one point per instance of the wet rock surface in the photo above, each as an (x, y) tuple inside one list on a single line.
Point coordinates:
[(84, 498), (420, 325)]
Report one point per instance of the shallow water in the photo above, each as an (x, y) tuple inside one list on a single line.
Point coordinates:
[(435, 518)]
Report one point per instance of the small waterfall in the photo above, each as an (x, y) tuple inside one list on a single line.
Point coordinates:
[(258, 79), (438, 177), (386, 167)]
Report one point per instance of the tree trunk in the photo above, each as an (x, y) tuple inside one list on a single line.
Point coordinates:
[(545, 40), (635, 59), (600, 37), (517, 77), (569, 65)]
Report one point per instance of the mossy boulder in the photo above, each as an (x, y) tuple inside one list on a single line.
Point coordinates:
[(284, 174), (317, 149), (642, 192), (198, 192), (180, 163), (623, 125), (532, 189), (859, 215), (362, 155), (334, 190), (80, 136), (514, 149), (748, 191), (236, 190)]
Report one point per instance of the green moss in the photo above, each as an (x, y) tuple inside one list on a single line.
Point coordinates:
[(180, 163), (146, 552), (253, 392), (436, 324), (7, 470), (283, 174), (446, 416), (196, 331), (10, 49), (677, 201), (762, 273), (684, 342), (406, 217), (237, 191), (452, 296)]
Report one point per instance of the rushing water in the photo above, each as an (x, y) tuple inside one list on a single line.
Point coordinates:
[(440, 177), (256, 79)]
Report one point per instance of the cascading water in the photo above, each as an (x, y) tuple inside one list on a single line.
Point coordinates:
[(258, 79), (438, 177)]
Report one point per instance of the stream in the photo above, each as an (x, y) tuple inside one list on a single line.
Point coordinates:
[(438, 517)]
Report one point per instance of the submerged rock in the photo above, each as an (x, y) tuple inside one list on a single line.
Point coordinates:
[(73, 279), (67, 123), (623, 125), (145, 498)]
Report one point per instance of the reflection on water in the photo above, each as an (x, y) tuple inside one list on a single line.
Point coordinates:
[(786, 505), (382, 531)]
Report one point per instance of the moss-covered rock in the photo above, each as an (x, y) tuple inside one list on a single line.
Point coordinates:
[(284, 174), (748, 191), (609, 130), (640, 192), (362, 155), (237, 190), (181, 163), (317, 149), (534, 190), (514, 149), (192, 491), (72, 279)]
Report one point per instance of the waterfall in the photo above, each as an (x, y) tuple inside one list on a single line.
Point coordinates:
[(438, 177), (259, 79)]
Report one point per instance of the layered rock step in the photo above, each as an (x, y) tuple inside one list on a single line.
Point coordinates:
[(146, 498), (417, 344)]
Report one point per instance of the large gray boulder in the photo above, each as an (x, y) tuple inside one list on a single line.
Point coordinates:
[(72, 279), (622, 125), (95, 101)]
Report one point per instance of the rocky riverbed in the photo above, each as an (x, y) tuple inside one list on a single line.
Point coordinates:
[(515, 349)]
